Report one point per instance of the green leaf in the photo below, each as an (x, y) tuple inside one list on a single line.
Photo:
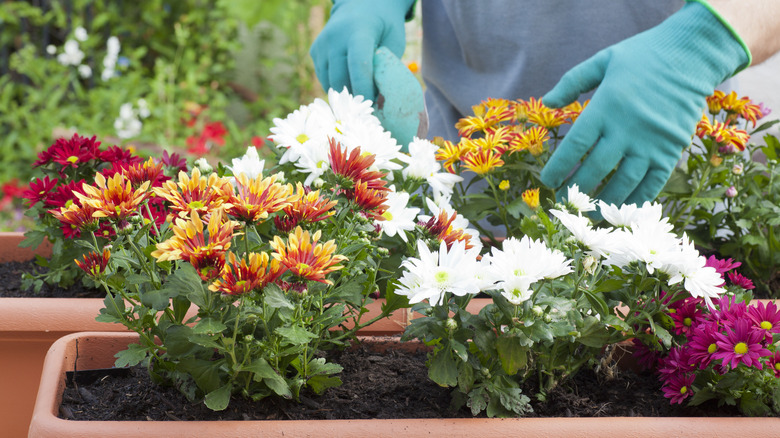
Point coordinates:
[(295, 335), (460, 350), (209, 326), (594, 333), (514, 356), (443, 369), (274, 297), (218, 399), (478, 400), (263, 372), (134, 354), (157, 299), (320, 383)]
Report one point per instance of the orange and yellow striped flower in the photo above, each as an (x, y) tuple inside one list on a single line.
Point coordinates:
[(532, 140), (94, 264), (256, 199), (440, 227), (149, 171), (482, 161), (306, 206), (487, 115), (355, 166), (77, 217), (371, 201), (189, 243), (542, 115), (574, 109), (251, 273), (197, 193), (113, 198), (305, 257), (722, 133), (531, 198), (449, 154)]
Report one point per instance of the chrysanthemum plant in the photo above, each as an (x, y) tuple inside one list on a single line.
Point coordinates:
[(54, 200), (255, 272), (725, 194)]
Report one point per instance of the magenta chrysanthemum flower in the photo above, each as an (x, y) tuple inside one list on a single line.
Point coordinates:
[(730, 311), (645, 357), (740, 280), (702, 344), (686, 315), (69, 153), (774, 363), (765, 318), (678, 361), (722, 266), (741, 344), (677, 387)]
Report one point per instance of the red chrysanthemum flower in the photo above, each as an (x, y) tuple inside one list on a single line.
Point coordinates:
[(251, 273), (256, 198), (70, 152), (440, 228), (678, 361), (65, 194), (149, 170), (773, 362), (645, 357), (305, 258), (94, 264), (306, 206), (174, 162), (355, 166), (117, 155), (741, 344), (39, 190), (370, 201), (678, 387), (76, 218), (722, 266)]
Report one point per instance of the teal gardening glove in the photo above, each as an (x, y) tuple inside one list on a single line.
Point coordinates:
[(651, 93), (343, 53)]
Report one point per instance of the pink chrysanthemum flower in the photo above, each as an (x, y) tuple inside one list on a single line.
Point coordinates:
[(765, 318), (686, 315), (703, 343), (722, 266), (774, 363), (645, 357), (740, 280), (678, 361), (678, 387), (741, 344)]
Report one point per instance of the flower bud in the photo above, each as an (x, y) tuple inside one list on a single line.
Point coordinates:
[(537, 311), (249, 338), (589, 264), (715, 160), (451, 325), (203, 165), (738, 169), (547, 318), (731, 192), (485, 372)]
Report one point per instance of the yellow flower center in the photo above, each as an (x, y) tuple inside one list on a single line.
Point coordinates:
[(302, 138), (687, 322), (766, 325), (683, 390), (777, 366), (387, 215), (195, 205), (72, 159), (741, 348), (712, 348), (441, 276)]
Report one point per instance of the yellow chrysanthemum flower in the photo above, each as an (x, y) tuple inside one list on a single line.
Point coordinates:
[(482, 161), (531, 198), (113, 197), (503, 185), (305, 257), (197, 193), (256, 199)]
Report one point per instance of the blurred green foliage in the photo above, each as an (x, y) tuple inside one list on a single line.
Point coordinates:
[(238, 62)]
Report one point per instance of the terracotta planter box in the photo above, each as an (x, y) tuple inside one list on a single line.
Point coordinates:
[(29, 326), (96, 350)]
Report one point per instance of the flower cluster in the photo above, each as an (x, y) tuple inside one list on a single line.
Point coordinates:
[(724, 190), (501, 150), (725, 351)]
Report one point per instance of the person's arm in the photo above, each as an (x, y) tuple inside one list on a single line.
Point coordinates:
[(756, 21)]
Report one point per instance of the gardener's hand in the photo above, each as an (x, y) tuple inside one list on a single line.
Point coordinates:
[(343, 53), (651, 94)]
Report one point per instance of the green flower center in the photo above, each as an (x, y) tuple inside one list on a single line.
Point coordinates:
[(195, 205), (387, 215), (712, 348), (766, 325), (442, 276), (687, 322), (741, 348)]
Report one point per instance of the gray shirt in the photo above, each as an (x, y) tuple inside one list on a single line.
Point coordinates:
[(517, 49)]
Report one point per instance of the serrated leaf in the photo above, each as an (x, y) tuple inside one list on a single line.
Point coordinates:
[(514, 356), (274, 297), (320, 383), (209, 326), (295, 335), (134, 354)]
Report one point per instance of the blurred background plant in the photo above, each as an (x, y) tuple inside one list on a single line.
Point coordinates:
[(203, 78)]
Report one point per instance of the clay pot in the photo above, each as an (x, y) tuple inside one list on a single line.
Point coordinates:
[(96, 350)]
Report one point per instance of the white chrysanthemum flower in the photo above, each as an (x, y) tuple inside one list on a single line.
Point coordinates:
[(250, 164), (301, 130), (520, 263), (578, 200), (399, 217), (346, 106), (85, 71), (371, 139), (434, 274), (421, 163), (700, 280), (653, 243), (600, 241), (315, 162), (80, 34)]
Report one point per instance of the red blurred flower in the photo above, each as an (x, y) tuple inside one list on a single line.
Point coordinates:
[(39, 190)]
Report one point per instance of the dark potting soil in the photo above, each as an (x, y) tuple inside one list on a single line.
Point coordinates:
[(394, 384), (11, 284)]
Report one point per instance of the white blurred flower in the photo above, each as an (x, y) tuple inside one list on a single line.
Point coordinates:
[(127, 125), (399, 217), (421, 163), (51, 49), (85, 71), (72, 54), (113, 46), (143, 108), (203, 165), (80, 34), (578, 200), (434, 274), (109, 62), (250, 164)]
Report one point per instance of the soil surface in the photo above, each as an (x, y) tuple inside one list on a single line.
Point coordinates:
[(389, 385), (11, 284)]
